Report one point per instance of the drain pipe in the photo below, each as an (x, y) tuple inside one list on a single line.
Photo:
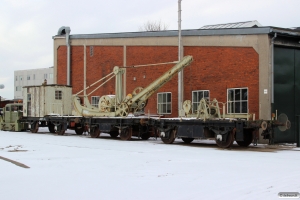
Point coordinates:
[(272, 70), (68, 30)]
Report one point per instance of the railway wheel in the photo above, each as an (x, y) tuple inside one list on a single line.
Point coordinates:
[(114, 134), (60, 129), (171, 138), (248, 138), (227, 140), (78, 129), (95, 132), (51, 127), (34, 127), (187, 140), (126, 134)]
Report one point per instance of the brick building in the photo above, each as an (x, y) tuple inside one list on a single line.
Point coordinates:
[(252, 68)]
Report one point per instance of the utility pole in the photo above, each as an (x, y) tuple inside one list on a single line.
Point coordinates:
[(180, 55)]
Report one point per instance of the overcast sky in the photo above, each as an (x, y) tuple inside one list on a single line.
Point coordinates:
[(27, 26)]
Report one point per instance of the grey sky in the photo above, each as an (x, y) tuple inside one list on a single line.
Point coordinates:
[(27, 26)]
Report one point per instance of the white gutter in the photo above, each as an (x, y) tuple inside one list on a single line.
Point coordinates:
[(68, 30)]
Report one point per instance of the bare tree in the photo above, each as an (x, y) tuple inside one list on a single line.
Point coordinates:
[(153, 26)]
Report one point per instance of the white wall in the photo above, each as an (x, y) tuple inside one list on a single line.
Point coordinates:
[(36, 77)]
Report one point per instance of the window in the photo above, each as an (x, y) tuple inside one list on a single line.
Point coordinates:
[(45, 76), (16, 108), (28, 77), (237, 99), (164, 103), (50, 75), (58, 94), (197, 96), (20, 78), (28, 97), (18, 88), (33, 77), (91, 51), (95, 101), (16, 78)]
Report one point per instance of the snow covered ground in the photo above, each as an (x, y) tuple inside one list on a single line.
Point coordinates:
[(79, 167)]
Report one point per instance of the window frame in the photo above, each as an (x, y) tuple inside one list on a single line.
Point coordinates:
[(197, 102), (166, 103), (58, 95), (91, 51), (92, 102), (45, 76), (18, 88), (241, 101)]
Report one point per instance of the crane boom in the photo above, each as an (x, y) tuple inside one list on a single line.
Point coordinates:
[(158, 83)]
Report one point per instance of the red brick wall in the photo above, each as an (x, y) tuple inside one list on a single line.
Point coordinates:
[(219, 68), (98, 65), (62, 65), (104, 59), (138, 55), (214, 69)]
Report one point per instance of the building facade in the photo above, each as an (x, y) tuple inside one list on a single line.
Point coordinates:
[(238, 66), (31, 77)]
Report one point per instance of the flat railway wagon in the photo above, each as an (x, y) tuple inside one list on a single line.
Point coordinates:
[(209, 123), (125, 127), (223, 131)]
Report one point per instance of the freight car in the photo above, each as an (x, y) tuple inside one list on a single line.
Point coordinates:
[(209, 123), (223, 131)]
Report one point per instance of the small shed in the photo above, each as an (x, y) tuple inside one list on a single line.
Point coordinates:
[(43, 100)]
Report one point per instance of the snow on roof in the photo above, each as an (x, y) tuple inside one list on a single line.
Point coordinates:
[(233, 25)]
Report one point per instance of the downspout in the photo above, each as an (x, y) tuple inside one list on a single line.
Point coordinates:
[(84, 74), (272, 70), (68, 30), (180, 55)]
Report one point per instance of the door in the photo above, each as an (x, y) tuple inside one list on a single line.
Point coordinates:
[(286, 90), (29, 105)]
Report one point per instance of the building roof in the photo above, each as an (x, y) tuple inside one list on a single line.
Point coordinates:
[(247, 24), (37, 69), (240, 28), (47, 85)]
